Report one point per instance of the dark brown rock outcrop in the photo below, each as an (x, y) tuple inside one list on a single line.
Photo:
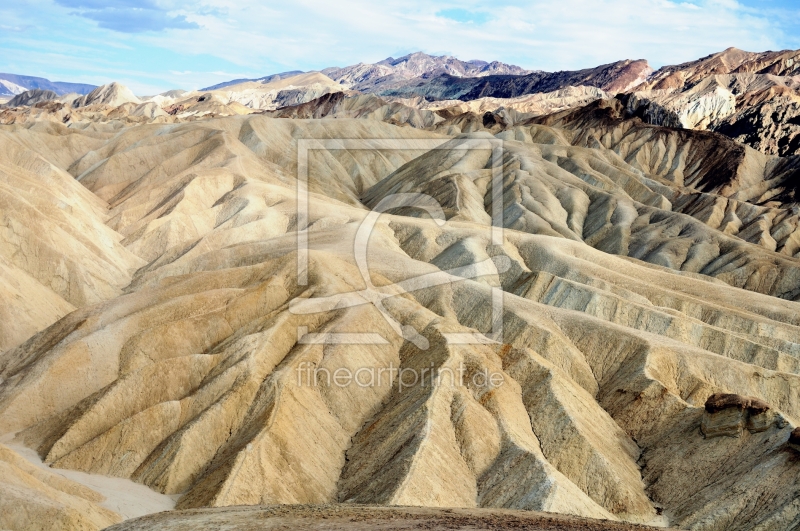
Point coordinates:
[(722, 401), (729, 414), (794, 439)]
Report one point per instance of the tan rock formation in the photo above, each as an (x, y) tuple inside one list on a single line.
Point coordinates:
[(735, 190), (200, 368), (56, 253)]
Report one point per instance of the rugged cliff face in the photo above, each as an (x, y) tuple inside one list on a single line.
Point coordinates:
[(772, 127), (730, 61), (750, 97)]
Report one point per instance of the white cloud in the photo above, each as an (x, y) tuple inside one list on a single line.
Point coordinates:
[(536, 33)]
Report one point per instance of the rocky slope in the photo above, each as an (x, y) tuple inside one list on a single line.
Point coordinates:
[(751, 97), (624, 309), (626, 349), (731, 61), (56, 253), (772, 127), (247, 96), (306, 96), (734, 189)]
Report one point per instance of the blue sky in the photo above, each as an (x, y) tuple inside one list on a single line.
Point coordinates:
[(156, 45)]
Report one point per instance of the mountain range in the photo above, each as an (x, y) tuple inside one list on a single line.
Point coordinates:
[(752, 97), (391, 72)]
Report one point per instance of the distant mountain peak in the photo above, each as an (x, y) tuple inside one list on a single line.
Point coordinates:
[(114, 94), (13, 84), (395, 72), (264, 79)]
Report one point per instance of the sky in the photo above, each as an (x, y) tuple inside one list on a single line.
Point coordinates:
[(156, 45)]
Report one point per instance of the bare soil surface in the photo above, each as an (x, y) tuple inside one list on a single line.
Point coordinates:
[(357, 517)]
